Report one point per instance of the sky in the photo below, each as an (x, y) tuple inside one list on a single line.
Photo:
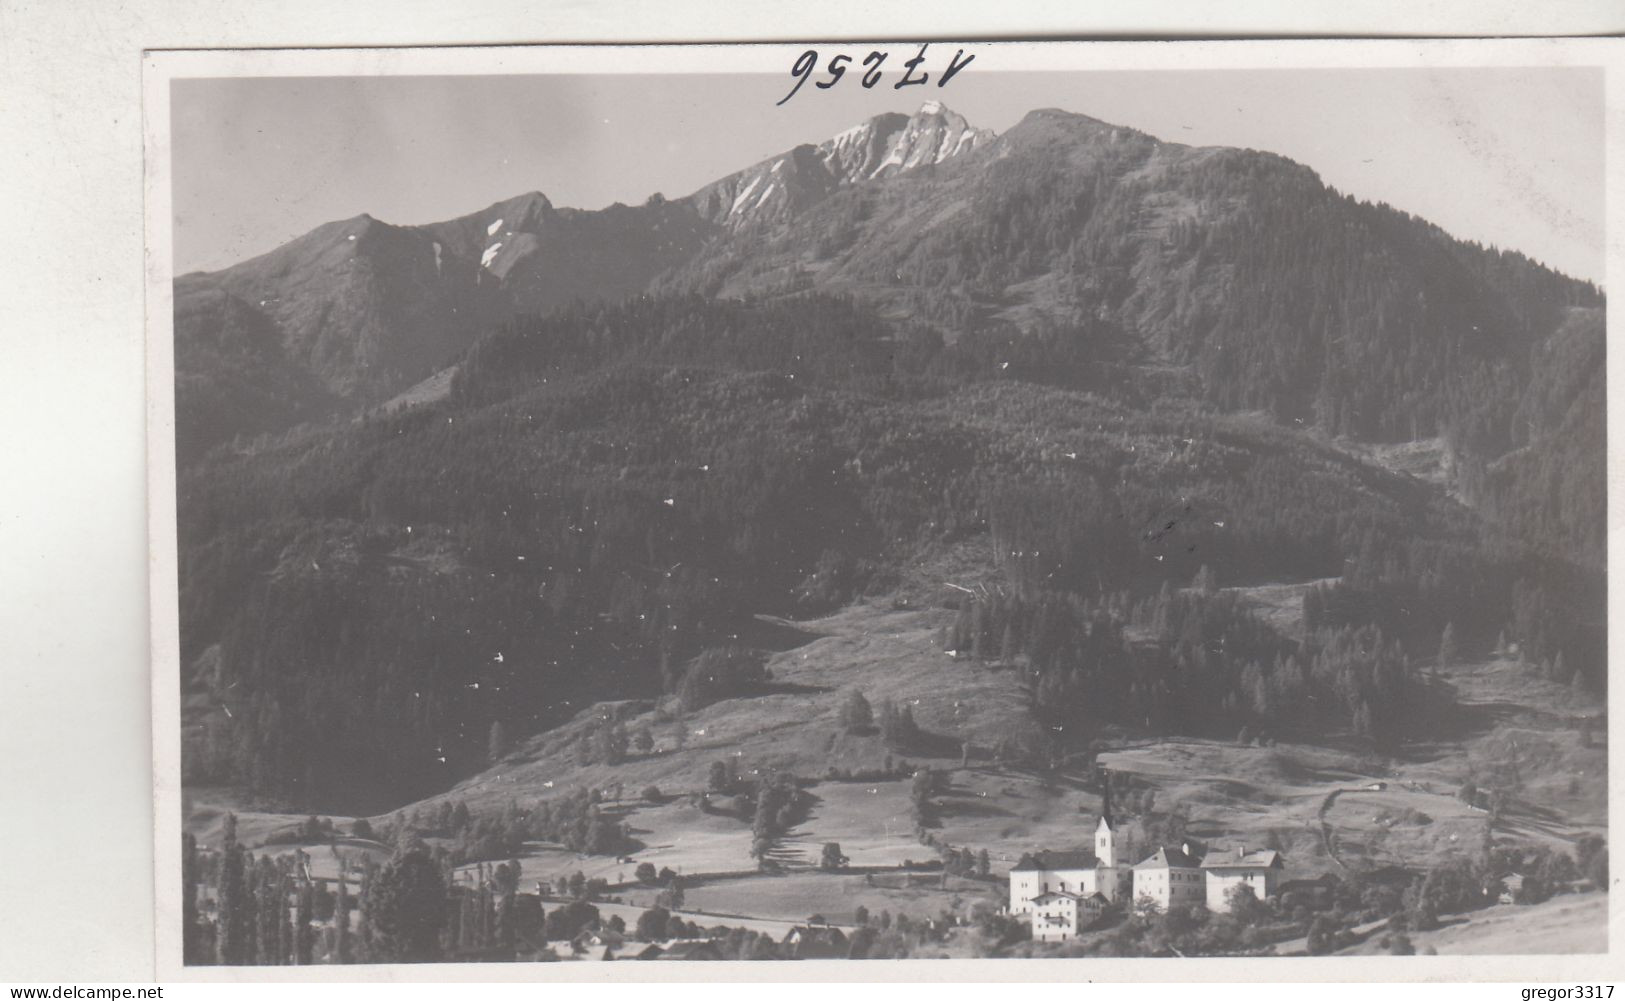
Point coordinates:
[(1509, 157)]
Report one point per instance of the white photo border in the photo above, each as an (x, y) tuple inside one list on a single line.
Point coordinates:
[(160, 67)]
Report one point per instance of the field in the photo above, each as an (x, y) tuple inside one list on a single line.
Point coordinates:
[(1566, 924), (1569, 924), (1333, 806), (835, 896)]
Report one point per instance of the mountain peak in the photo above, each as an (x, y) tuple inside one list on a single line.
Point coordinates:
[(931, 135), (521, 211), (891, 143), (1062, 122)]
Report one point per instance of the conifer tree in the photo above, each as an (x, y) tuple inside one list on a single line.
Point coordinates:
[(304, 932), (341, 922), (408, 908), (856, 716), (191, 930), (236, 905)]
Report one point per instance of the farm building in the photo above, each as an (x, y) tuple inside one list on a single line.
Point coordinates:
[(815, 942), (1511, 886), (1316, 894), (597, 944)]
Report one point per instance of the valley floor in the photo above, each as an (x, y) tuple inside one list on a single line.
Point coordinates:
[(1329, 807)]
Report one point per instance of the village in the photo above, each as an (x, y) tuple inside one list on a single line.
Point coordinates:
[(337, 908), (790, 825), (1065, 892)]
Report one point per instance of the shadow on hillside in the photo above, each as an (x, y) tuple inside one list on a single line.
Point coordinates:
[(784, 688), (776, 635), (805, 812), (952, 805), (925, 744), (1298, 772), (1523, 819), (1052, 781)]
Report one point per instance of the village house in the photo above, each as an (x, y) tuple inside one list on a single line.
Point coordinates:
[(1170, 877), (1058, 916), (597, 944), (1260, 871), (690, 950), (1316, 894), (815, 942), (1511, 886)]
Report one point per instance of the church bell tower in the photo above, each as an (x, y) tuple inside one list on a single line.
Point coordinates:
[(1105, 831)]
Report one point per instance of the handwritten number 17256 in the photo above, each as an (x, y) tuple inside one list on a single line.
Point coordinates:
[(806, 65)]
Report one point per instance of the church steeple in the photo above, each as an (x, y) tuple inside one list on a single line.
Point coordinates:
[(1105, 831)]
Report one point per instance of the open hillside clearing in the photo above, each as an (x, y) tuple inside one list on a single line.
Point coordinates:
[(1371, 809)]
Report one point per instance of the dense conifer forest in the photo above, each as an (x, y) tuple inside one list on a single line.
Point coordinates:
[(610, 490)]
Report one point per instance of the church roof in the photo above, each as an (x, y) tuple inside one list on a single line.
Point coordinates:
[(1047, 861)]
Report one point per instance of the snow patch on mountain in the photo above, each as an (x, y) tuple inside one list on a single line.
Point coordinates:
[(490, 254), (887, 144), (491, 230), (744, 196), (932, 135)]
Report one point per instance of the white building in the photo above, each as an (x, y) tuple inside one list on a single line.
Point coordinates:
[(1170, 877), (1063, 893), (1225, 870), (1059, 916), (1083, 873)]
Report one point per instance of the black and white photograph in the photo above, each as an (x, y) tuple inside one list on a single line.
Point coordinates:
[(1113, 502)]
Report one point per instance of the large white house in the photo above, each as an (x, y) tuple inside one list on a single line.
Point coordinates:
[(1170, 877), (1083, 873), (1225, 870), (1058, 916)]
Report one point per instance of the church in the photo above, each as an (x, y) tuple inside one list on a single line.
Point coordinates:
[(1104, 872)]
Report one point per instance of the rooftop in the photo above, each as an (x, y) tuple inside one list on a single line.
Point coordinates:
[(1047, 861), (1093, 899), (1169, 858), (1241, 858)]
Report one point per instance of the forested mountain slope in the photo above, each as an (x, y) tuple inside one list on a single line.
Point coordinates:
[(1086, 362), (610, 491)]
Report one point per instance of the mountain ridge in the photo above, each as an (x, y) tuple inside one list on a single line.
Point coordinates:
[(1215, 260)]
